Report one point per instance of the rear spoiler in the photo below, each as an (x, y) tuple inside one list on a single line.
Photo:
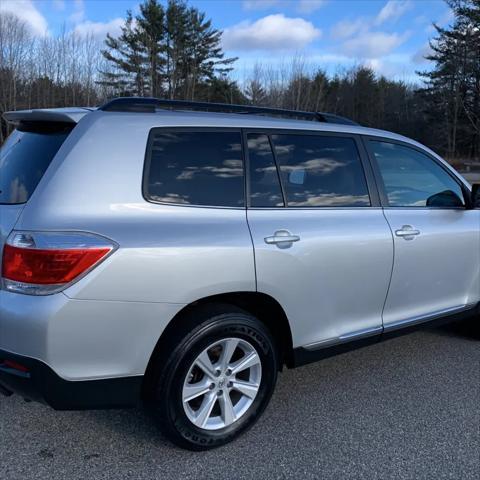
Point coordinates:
[(61, 115)]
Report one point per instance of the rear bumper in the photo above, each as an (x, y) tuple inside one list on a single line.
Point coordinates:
[(40, 383), (83, 340)]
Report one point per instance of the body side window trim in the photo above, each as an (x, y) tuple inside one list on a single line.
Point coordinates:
[(245, 133), (279, 175)]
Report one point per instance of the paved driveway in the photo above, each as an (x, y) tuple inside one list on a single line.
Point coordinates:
[(472, 177), (407, 408)]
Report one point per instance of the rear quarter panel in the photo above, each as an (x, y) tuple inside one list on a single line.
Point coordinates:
[(172, 254)]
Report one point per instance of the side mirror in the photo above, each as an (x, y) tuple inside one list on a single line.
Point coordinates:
[(445, 199), (476, 195)]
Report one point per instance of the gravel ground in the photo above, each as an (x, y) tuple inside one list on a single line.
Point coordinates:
[(408, 408)]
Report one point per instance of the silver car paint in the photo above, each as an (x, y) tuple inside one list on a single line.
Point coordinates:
[(334, 280), (332, 283), (82, 339), (438, 269)]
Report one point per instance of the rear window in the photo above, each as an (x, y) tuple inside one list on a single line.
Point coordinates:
[(195, 168), (24, 158)]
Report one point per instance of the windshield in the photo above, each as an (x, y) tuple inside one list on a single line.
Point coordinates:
[(24, 158)]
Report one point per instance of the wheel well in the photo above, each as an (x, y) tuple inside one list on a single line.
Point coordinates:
[(262, 306)]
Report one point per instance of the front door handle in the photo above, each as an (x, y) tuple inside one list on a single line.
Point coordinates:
[(407, 232), (282, 238)]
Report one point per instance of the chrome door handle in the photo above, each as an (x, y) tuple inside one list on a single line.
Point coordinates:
[(407, 232), (282, 237)]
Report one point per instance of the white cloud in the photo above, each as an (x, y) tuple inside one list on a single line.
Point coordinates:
[(419, 56), (26, 11), (420, 19), (347, 28), (361, 40), (309, 6), (373, 44), (273, 32), (446, 18), (260, 4), (443, 21), (59, 5), (79, 12), (99, 29), (393, 10), (396, 66), (302, 6)]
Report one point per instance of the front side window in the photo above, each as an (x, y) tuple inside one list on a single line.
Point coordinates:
[(321, 171), (195, 168), (413, 179)]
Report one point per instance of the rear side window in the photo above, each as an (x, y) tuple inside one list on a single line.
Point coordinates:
[(24, 158), (195, 168), (265, 190), (321, 171)]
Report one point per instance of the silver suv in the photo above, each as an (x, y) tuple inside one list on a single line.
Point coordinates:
[(179, 254)]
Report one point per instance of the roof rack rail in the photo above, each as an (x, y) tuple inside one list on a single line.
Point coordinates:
[(150, 104)]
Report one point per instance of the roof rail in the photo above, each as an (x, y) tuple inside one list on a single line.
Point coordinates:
[(150, 105)]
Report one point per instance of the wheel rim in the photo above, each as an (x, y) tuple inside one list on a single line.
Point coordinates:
[(222, 383)]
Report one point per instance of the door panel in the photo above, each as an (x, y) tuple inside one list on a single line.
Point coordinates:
[(332, 281), (328, 267), (438, 269), (437, 240)]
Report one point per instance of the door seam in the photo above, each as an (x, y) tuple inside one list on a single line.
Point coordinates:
[(393, 268), (253, 250)]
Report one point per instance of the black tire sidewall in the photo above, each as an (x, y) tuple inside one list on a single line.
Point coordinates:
[(169, 392)]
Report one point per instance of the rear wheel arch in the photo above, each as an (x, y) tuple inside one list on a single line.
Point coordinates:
[(262, 306)]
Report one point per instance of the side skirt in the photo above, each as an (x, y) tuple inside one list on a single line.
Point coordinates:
[(303, 356)]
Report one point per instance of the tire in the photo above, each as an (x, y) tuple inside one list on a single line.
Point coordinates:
[(214, 330)]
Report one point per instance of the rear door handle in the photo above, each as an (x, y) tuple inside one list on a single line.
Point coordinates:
[(282, 238), (407, 232)]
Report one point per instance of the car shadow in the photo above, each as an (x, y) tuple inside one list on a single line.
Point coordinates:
[(133, 424), (467, 329)]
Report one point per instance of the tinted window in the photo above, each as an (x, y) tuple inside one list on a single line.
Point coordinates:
[(196, 168), (24, 158), (413, 179), (320, 171), (265, 190)]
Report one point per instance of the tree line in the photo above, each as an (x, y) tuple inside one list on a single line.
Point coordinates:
[(175, 52)]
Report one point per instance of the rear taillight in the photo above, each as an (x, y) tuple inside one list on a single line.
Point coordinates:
[(41, 263)]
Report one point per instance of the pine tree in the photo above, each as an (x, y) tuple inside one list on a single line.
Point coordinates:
[(150, 31), (175, 44), (167, 52), (452, 87), (125, 54), (203, 58)]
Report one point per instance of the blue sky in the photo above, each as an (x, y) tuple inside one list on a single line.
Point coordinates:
[(389, 35)]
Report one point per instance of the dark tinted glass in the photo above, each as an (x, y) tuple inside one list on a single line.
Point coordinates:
[(413, 179), (320, 171), (265, 190), (196, 168), (24, 158)]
